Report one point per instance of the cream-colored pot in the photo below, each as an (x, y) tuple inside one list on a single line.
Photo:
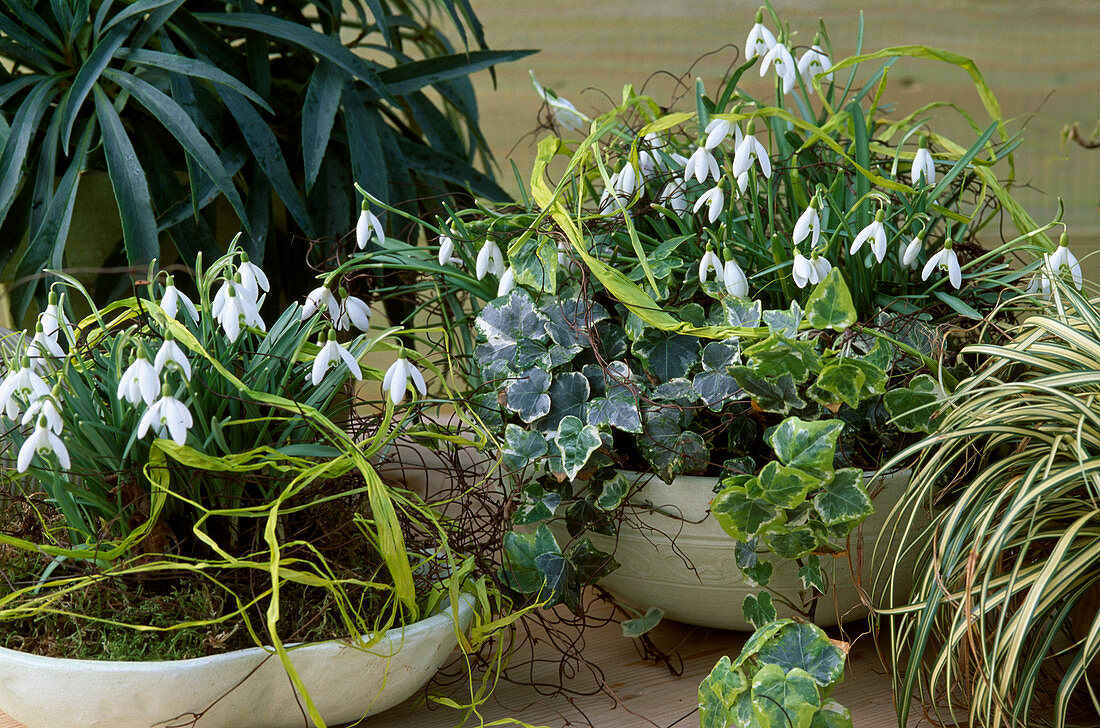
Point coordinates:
[(242, 689), (695, 578)]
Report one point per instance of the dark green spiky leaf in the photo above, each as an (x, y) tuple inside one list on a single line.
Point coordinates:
[(808, 446), (743, 517), (192, 67), (844, 499), (439, 165), (718, 694), (779, 395), (322, 100), (640, 625), (913, 408), (523, 447), (87, 78), (805, 646), (409, 77), (758, 610), (830, 305), (526, 395), (785, 486), (666, 355), (576, 442), (139, 226), (784, 700)]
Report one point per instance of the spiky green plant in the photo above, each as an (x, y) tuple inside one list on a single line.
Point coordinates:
[(1001, 626)]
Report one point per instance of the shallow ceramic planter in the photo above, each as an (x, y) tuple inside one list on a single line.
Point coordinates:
[(697, 581), (242, 689)]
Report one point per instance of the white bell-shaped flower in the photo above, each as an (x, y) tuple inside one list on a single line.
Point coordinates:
[(718, 130), (507, 282), (910, 251), (808, 225), (42, 442), (397, 377), (876, 233), (354, 311), (813, 62), (21, 386), (821, 266), (702, 165), (53, 319), (945, 259), (139, 383), (319, 297), (710, 261), (46, 407), (489, 260), (923, 169), (780, 58), (749, 150), (329, 357), (447, 250), (171, 355), (714, 200), (42, 348), (253, 280), (672, 195), (1063, 258), (368, 225), (562, 110), (168, 418), (235, 311), (737, 284), (760, 40), (173, 298), (802, 270)]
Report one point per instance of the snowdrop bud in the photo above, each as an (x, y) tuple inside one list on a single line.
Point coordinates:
[(923, 169), (736, 283), (507, 282), (910, 251)]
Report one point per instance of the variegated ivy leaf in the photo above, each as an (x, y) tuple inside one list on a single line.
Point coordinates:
[(784, 323), (777, 355), (576, 442), (811, 574), (719, 694), (758, 609), (805, 646), (845, 499), (612, 340), (676, 391), (571, 321), (515, 335), (779, 395), (537, 505), (717, 389), (719, 356), (640, 625), (613, 492), (522, 447), (808, 446), (568, 396), (743, 517), (784, 698), (669, 448), (618, 407), (742, 312), (785, 486), (667, 355), (536, 263), (830, 305), (794, 542), (914, 407), (527, 395), (521, 551), (755, 571)]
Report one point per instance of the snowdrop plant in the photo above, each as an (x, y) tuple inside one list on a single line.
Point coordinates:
[(739, 305)]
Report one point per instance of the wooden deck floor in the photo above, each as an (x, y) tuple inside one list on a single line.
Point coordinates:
[(638, 693)]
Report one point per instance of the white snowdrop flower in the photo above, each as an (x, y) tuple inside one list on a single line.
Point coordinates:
[(923, 169), (647, 166), (714, 200), (42, 347), (821, 266), (750, 149), (808, 225), (626, 181), (173, 298), (167, 417), (710, 261), (1063, 258), (717, 131), (397, 377), (701, 165), (53, 319), (20, 386), (253, 280), (673, 196), (1043, 278), (43, 441), (319, 297), (802, 270), (140, 381), (233, 311), (760, 40), (329, 357), (446, 249), (368, 225), (46, 407), (354, 311), (780, 58), (562, 111), (676, 161), (507, 282), (742, 182), (944, 259), (489, 260), (171, 355), (876, 233), (910, 251), (737, 284), (813, 62)]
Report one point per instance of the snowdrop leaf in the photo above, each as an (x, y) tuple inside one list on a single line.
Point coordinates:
[(830, 305), (808, 446), (960, 306), (845, 499), (527, 397), (576, 441)]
